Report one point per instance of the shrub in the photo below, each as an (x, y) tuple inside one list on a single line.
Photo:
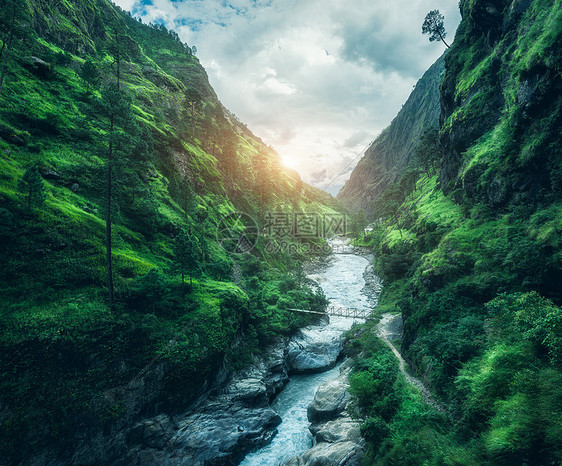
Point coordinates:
[(375, 430)]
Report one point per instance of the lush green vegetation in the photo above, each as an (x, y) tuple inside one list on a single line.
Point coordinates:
[(87, 87), (399, 427), (468, 241)]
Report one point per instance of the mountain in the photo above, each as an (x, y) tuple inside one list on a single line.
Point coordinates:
[(111, 135), (394, 148), (469, 245)]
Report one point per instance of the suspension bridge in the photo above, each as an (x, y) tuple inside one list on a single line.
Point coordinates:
[(338, 311)]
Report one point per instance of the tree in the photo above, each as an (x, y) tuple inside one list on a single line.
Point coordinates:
[(299, 273), (187, 254), (358, 223), (192, 101), (117, 110), (89, 73), (121, 47), (433, 25), (6, 224), (62, 59), (31, 185), (229, 158), (389, 204)]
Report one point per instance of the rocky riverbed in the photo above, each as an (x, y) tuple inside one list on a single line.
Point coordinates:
[(238, 417), (235, 419), (331, 436), (337, 437)]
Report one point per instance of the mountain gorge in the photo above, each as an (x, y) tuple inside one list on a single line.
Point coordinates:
[(468, 240), (105, 118), (145, 310)]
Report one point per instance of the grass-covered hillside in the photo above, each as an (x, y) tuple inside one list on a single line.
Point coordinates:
[(85, 87), (470, 250)]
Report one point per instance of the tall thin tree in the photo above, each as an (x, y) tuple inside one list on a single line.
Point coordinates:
[(114, 106)]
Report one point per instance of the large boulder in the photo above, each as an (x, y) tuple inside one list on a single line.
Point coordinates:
[(314, 349), (222, 436), (330, 400), (152, 432), (221, 429), (38, 67), (330, 454), (342, 429)]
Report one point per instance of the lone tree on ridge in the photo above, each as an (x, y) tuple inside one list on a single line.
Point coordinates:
[(433, 25)]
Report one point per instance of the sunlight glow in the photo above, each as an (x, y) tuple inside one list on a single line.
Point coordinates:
[(290, 161)]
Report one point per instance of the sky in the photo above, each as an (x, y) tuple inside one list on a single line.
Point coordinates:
[(317, 80)]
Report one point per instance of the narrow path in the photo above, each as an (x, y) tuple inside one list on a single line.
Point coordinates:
[(386, 330)]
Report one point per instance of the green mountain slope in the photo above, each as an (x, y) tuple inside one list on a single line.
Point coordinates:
[(391, 152), (471, 255), (183, 166)]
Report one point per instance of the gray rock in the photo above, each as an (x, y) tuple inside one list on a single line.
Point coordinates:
[(496, 191), (525, 93), (152, 432), (330, 400), (37, 66), (222, 436), (75, 187), (50, 174), (337, 436), (330, 454), (314, 350), (251, 390), (221, 429), (341, 429)]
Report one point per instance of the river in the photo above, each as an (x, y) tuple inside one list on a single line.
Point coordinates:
[(343, 284)]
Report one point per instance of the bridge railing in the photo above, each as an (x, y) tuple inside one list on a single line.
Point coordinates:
[(338, 311)]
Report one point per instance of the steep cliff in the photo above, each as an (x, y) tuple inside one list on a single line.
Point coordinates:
[(394, 148), (500, 99), (471, 254)]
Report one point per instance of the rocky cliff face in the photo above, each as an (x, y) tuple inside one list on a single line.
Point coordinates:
[(499, 99), (394, 148)]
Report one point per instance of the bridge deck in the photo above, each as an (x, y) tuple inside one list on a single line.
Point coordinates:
[(338, 312)]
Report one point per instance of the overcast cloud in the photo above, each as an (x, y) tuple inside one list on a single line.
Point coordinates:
[(316, 79)]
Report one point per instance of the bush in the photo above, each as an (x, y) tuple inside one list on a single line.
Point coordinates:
[(375, 430), (151, 293), (372, 385), (530, 316)]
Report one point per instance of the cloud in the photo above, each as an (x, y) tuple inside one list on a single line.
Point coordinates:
[(356, 139), (318, 177), (316, 79), (388, 37)]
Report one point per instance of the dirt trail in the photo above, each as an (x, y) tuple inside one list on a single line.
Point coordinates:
[(390, 328)]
